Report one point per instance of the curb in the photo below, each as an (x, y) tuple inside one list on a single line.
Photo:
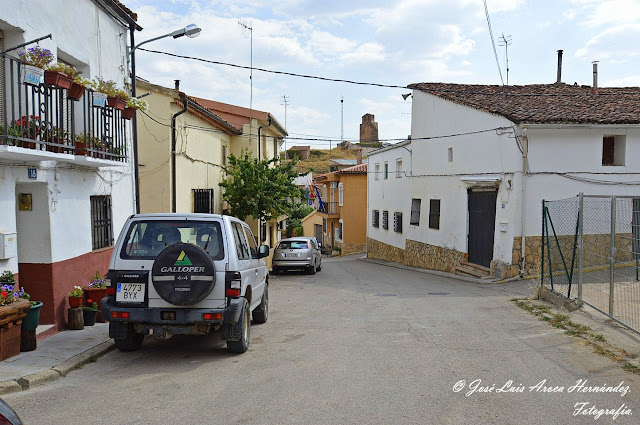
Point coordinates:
[(428, 271), (56, 372)]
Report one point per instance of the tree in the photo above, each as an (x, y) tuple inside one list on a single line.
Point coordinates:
[(296, 213), (259, 189)]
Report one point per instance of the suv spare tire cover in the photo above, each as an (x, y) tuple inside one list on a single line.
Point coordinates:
[(183, 274)]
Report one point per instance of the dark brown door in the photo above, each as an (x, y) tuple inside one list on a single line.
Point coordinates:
[(482, 225)]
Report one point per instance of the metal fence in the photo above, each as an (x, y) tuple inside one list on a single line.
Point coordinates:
[(591, 252)]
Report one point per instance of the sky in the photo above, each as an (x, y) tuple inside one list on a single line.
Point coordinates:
[(391, 42)]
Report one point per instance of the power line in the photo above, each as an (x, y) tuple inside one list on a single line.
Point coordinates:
[(493, 43)]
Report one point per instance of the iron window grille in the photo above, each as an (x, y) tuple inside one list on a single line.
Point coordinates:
[(375, 218), (101, 222), (397, 222), (203, 201), (434, 213), (385, 220), (415, 212)]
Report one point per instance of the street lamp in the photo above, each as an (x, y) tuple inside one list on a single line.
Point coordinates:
[(190, 31)]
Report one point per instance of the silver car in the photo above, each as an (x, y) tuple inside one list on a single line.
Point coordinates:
[(301, 253)]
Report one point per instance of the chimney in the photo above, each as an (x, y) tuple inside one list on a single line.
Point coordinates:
[(359, 156), (177, 82), (559, 80), (594, 89)]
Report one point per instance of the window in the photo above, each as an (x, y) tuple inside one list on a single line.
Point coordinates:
[(385, 220), (224, 156), (339, 230), (450, 154), (415, 212), (375, 218), (324, 225), (386, 170), (434, 213), (398, 168), (241, 243), (252, 243), (101, 225), (377, 173), (340, 194), (613, 150), (203, 201), (397, 222)]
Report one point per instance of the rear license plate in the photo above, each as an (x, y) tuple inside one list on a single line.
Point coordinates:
[(291, 255), (130, 292)]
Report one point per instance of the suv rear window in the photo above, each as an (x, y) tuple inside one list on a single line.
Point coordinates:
[(145, 239), (293, 245)]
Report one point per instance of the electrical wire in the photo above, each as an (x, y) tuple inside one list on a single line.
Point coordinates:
[(493, 43)]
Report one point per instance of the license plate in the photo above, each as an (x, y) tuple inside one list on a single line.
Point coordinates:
[(130, 292), (291, 255)]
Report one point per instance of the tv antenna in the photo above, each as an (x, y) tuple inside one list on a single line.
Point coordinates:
[(285, 101), (506, 42), (249, 27)]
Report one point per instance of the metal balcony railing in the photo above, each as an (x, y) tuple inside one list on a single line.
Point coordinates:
[(43, 117), (329, 208)]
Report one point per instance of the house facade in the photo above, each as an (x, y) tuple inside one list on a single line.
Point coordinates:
[(482, 159), (66, 169), (343, 206)]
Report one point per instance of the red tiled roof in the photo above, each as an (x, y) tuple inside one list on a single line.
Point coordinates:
[(128, 11), (545, 103), (357, 169), (236, 115)]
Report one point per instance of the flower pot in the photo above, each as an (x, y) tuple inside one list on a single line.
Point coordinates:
[(31, 75), (127, 114), (97, 295), (76, 91), (30, 322), (116, 102), (14, 311), (58, 79), (80, 149), (89, 317), (75, 302), (99, 99)]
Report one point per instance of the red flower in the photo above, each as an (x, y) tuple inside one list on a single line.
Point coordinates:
[(90, 301), (4, 294)]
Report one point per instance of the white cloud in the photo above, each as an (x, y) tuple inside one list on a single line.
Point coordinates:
[(616, 42), (614, 12), (365, 54), (630, 81)]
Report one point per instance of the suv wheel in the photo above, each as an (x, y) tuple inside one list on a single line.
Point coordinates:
[(261, 313), (242, 344), (132, 342)]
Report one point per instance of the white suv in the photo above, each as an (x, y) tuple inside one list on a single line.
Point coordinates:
[(185, 274)]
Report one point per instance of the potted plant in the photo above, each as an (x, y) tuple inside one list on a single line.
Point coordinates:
[(77, 88), (101, 91), (96, 290), (90, 312), (118, 100), (75, 297), (13, 309), (60, 75), (133, 104), (34, 61)]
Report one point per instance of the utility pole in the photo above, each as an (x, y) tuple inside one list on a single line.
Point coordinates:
[(285, 101), (249, 28), (506, 42)]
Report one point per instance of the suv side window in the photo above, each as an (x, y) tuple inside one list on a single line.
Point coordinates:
[(241, 243), (252, 243)]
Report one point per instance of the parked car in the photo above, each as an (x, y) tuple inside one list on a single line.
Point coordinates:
[(301, 252), (185, 274), (7, 415)]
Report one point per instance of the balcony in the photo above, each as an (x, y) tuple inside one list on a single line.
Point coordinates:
[(329, 208), (42, 123)]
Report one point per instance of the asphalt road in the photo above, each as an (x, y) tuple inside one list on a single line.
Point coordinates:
[(357, 343)]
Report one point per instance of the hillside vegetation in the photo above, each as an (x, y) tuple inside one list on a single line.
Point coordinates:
[(319, 159)]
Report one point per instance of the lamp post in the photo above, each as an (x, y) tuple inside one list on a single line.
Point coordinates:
[(190, 31)]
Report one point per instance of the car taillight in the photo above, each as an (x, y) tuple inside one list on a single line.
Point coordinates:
[(233, 284), (233, 292), (111, 290), (120, 314), (212, 316)]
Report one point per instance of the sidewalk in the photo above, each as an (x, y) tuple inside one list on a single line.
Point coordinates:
[(55, 357)]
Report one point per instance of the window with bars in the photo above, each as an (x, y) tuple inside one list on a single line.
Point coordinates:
[(203, 201), (339, 230), (397, 222), (385, 220), (375, 218), (415, 212), (101, 222), (434, 213)]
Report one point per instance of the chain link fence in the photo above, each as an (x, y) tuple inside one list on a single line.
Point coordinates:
[(591, 252)]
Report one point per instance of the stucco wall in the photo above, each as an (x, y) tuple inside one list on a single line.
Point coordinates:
[(354, 209)]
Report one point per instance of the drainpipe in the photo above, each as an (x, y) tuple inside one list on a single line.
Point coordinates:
[(260, 128), (134, 125), (525, 153), (173, 145)]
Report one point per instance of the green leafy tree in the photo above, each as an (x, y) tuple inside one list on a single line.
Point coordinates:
[(258, 188), (297, 212)]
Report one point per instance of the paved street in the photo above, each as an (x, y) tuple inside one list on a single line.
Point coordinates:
[(356, 343)]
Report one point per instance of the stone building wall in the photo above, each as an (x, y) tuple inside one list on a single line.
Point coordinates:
[(383, 251), (419, 254), (351, 248), (368, 129)]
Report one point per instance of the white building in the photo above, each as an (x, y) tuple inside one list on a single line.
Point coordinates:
[(481, 160), (64, 196)]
